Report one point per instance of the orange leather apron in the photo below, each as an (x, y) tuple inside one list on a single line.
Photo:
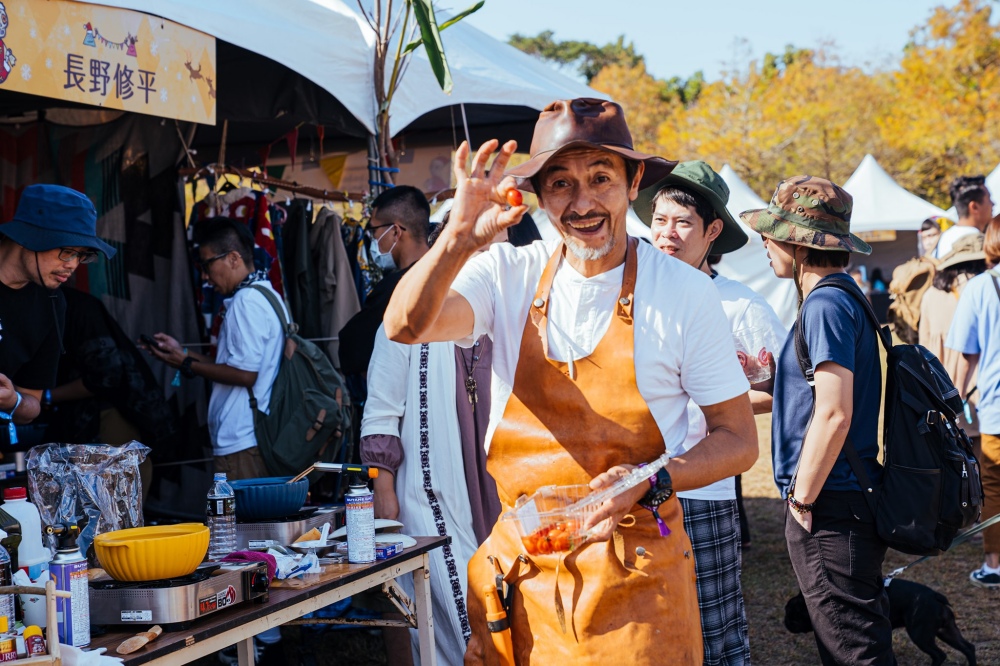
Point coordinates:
[(616, 603)]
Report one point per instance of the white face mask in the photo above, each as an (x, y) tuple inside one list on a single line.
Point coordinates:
[(382, 259)]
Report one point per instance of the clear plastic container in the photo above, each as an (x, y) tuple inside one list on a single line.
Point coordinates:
[(752, 353), (221, 518), (552, 519)]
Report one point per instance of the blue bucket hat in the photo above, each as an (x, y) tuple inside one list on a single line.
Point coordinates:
[(53, 216)]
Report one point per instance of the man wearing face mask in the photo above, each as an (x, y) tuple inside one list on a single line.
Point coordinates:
[(397, 233)]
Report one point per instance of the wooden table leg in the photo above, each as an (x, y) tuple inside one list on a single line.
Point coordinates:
[(245, 652), (425, 615)]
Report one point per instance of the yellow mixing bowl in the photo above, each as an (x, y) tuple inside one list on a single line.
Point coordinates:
[(152, 553)]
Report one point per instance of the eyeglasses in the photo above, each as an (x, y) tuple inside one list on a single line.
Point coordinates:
[(208, 262), (85, 257), (370, 230)]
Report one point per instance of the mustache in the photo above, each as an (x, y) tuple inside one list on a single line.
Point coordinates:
[(575, 217)]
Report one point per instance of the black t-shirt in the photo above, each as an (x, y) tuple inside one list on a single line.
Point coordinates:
[(357, 338), (31, 321)]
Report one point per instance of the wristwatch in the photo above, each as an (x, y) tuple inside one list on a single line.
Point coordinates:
[(661, 489), (185, 367)]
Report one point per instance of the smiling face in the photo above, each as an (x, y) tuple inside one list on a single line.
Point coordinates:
[(681, 232), (586, 193)]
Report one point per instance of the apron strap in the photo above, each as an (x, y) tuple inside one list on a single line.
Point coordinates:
[(540, 304)]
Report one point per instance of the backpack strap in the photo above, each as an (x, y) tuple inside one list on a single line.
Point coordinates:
[(805, 365), (287, 326), (802, 349), (996, 285)]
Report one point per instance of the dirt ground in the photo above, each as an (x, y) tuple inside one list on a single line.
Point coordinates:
[(768, 582)]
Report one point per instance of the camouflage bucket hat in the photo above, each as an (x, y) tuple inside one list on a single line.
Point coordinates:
[(808, 211)]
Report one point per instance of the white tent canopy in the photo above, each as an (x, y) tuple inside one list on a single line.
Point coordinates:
[(993, 185), (882, 204), (330, 43), (750, 264)]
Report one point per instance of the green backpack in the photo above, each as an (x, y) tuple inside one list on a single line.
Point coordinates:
[(309, 410)]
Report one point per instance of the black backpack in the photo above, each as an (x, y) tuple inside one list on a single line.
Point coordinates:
[(309, 410), (930, 481)]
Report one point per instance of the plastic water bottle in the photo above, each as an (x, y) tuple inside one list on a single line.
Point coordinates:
[(221, 518)]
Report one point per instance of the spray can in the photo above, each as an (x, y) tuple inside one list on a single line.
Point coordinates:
[(69, 570), (360, 509)]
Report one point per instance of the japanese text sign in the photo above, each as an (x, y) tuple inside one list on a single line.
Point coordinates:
[(112, 58)]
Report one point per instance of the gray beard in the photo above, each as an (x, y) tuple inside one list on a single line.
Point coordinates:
[(584, 253)]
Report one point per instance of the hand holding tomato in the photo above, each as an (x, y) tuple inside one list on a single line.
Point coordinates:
[(484, 202)]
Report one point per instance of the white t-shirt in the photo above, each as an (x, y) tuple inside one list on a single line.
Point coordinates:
[(251, 339), (744, 308), (683, 345), (948, 238)]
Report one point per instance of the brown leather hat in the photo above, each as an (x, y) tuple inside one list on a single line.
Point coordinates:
[(584, 123)]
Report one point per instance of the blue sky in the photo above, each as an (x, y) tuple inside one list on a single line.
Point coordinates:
[(680, 38)]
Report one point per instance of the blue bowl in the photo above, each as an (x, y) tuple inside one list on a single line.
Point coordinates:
[(269, 498)]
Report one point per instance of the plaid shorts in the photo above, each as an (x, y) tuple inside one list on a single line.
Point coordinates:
[(714, 529)]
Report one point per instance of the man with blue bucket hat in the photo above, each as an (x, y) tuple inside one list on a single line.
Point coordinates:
[(54, 230)]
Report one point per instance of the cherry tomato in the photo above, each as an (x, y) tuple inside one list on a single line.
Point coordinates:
[(514, 197), (544, 546), (530, 545)]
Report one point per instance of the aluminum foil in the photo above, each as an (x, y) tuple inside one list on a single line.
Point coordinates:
[(93, 486)]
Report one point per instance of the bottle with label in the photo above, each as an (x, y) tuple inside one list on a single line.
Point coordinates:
[(34, 641), (6, 578), (221, 518), (32, 555), (8, 642), (69, 570), (360, 509)]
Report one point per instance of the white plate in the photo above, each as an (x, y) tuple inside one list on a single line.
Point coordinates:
[(306, 546), (404, 539), (380, 524)]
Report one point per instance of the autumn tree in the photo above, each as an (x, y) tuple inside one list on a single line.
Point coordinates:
[(645, 100), (797, 112), (947, 98)]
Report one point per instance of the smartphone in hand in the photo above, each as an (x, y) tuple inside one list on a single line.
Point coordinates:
[(150, 342)]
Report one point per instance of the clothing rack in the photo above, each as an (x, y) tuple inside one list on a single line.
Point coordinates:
[(191, 174)]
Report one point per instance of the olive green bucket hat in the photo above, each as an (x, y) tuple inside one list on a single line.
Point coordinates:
[(808, 211), (697, 177)]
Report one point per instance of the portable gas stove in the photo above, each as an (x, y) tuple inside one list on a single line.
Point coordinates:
[(288, 529), (176, 602)]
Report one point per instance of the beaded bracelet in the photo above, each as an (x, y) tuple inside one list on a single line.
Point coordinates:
[(800, 507)]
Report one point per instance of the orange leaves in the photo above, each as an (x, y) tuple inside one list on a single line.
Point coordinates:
[(932, 116)]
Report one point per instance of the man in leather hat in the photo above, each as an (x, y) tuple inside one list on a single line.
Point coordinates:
[(599, 342), (53, 231), (689, 220), (832, 541)]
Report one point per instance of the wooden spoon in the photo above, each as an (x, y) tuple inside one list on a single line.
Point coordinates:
[(139, 640)]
